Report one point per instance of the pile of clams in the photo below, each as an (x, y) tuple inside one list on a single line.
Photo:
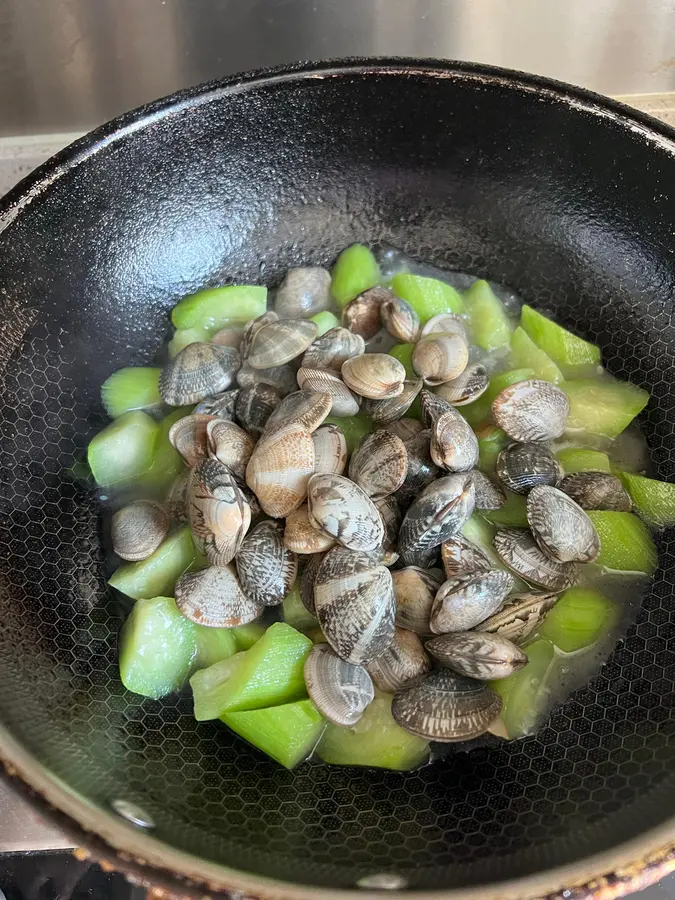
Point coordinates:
[(405, 603)]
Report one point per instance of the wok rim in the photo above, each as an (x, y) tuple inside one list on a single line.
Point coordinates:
[(144, 859)]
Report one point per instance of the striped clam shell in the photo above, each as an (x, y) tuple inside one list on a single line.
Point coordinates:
[(341, 509), (531, 411), (218, 512), (280, 468), (214, 597), (439, 511), (198, 371), (404, 660), (518, 550), (465, 601), (340, 690), (266, 568), (560, 526)]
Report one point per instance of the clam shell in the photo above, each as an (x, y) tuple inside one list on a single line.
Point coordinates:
[(362, 315), (188, 436), (432, 406), (176, 498), (560, 526), (596, 490), (327, 381), (454, 446), (517, 549), (303, 293), (282, 378), (400, 320), (520, 467), (519, 617), (218, 513), (138, 529), (467, 387), (531, 411), (307, 579), (477, 654), (355, 606), (414, 590), (445, 707), (385, 412), (253, 327), (221, 405), (377, 376), (301, 536), (280, 342), (340, 690), (305, 408), (461, 557), (230, 445), (391, 514), (280, 468), (406, 429), (254, 407), (445, 323), (330, 450), (464, 602), (198, 371), (266, 568), (439, 357), (214, 597), (439, 511), (422, 470), (488, 494), (229, 336), (332, 349), (379, 464), (404, 660), (341, 509)]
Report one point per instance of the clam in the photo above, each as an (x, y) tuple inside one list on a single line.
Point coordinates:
[(218, 512), (467, 387), (280, 468), (400, 320), (301, 536), (414, 590), (377, 376), (341, 509), (332, 349), (303, 293), (519, 617), (214, 597), (379, 464), (520, 467), (466, 600), (404, 660), (198, 371), (454, 446), (327, 381), (138, 530), (596, 490), (440, 357), (305, 408), (422, 470), (221, 405), (477, 654), (518, 550), (330, 450), (340, 690), (362, 315), (560, 526), (176, 498), (488, 494), (230, 445), (229, 336), (432, 407), (280, 342), (389, 509), (355, 606), (531, 411), (405, 428), (188, 436), (445, 323), (461, 557), (445, 707), (439, 511), (282, 378), (254, 407), (253, 327), (307, 579), (266, 568), (385, 412)]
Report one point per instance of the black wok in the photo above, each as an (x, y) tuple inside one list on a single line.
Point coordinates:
[(566, 197)]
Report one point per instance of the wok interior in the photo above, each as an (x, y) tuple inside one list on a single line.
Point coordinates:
[(573, 210)]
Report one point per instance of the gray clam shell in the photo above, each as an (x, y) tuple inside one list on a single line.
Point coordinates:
[(254, 406), (462, 557), (464, 602), (488, 494), (341, 509), (265, 567), (518, 550), (221, 405), (520, 616), (388, 412), (560, 526), (214, 597), (379, 464), (332, 349), (531, 411), (422, 470), (597, 490), (522, 466), (307, 579), (307, 408), (404, 660), (304, 292), (469, 386), (454, 446), (477, 654), (198, 371), (439, 511), (279, 342), (138, 529), (340, 690)]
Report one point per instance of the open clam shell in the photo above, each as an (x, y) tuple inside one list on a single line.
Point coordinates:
[(467, 600), (415, 590), (477, 654), (304, 292), (230, 445), (138, 529), (439, 511), (404, 660), (331, 349), (266, 568), (198, 371), (518, 550), (379, 464), (560, 526), (218, 512), (188, 436), (531, 411), (280, 468), (280, 342), (214, 597), (341, 509), (340, 690)]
